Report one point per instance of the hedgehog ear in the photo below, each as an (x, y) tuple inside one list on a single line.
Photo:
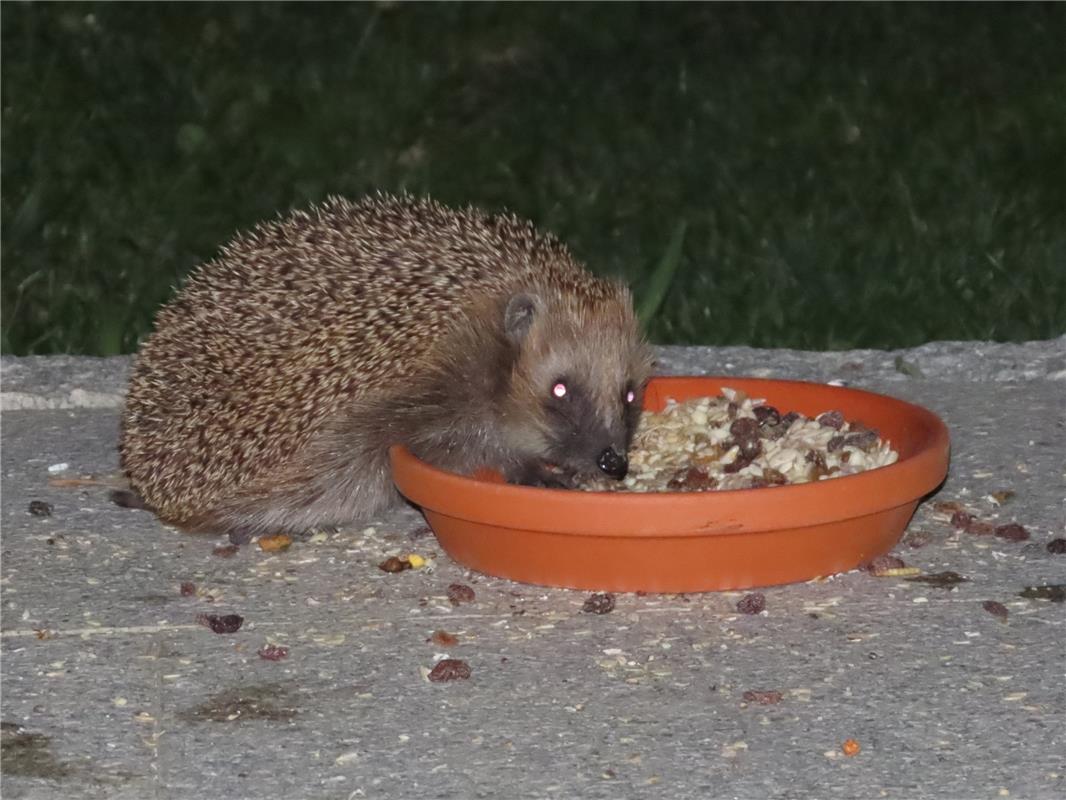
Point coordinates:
[(518, 316)]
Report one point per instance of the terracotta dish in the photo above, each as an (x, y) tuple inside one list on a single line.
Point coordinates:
[(696, 541)]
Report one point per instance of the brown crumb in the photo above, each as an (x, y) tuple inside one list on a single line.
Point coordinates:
[(882, 564), (225, 550), (850, 748), (1057, 546), (449, 669), (918, 539), (948, 507), (444, 639), (751, 603), (459, 593), (394, 564), (270, 544), (769, 697), (188, 589)]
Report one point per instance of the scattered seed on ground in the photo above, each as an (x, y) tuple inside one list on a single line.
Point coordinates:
[(768, 697), (270, 544), (444, 639), (394, 564)]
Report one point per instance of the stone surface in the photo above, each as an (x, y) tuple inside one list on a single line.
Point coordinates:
[(111, 689)]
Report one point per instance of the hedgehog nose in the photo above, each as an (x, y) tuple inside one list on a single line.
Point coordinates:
[(613, 464)]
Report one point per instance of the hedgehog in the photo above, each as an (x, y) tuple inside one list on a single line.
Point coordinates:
[(274, 382)]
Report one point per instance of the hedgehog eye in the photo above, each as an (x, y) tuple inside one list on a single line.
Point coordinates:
[(559, 389), (630, 396)]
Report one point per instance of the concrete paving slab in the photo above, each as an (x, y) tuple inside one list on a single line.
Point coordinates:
[(111, 688)]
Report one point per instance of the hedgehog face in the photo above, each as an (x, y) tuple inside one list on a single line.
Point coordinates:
[(576, 387)]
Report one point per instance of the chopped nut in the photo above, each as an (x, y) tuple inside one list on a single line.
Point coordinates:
[(459, 593), (229, 623), (599, 603), (449, 669), (752, 603), (444, 639), (273, 652), (270, 544), (763, 698)]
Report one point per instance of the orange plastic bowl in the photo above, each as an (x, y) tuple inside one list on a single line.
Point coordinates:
[(698, 541)]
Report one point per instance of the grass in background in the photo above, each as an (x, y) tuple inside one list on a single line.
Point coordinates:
[(814, 176)]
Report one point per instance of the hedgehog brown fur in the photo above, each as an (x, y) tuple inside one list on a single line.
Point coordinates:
[(273, 383)]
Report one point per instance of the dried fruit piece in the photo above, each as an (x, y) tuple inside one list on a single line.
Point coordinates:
[(941, 580), (850, 748), (599, 603), (39, 508), (394, 564), (1012, 532), (744, 428), (769, 697), (273, 652), (225, 550), (773, 477), (767, 415), (270, 544), (831, 419), (752, 603), (962, 519), (948, 507), (834, 444), (997, 610), (980, 528), (188, 589), (449, 669), (863, 440), (918, 539), (459, 593), (444, 639), (1055, 592), (228, 623), (1057, 547)]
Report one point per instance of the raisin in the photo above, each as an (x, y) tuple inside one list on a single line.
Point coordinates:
[(273, 652), (752, 603), (599, 603), (459, 593), (394, 564), (39, 508), (449, 669), (696, 479), (229, 623), (997, 610), (767, 415), (836, 443), (744, 428), (774, 477), (942, 580), (818, 465), (225, 550), (918, 539), (962, 519), (1012, 532), (749, 449), (737, 465), (188, 589), (864, 441), (769, 697), (444, 639), (1057, 547), (789, 418), (831, 419)]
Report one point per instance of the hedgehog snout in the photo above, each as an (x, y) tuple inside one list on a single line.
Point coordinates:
[(614, 465)]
